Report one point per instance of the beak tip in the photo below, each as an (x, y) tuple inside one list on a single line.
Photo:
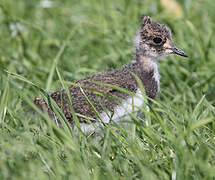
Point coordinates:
[(185, 55)]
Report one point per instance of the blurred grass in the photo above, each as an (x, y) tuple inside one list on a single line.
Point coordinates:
[(85, 37)]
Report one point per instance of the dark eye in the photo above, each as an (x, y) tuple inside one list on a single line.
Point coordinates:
[(157, 40)]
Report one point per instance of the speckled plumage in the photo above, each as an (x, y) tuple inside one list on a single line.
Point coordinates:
[(145, 67), (122, 77)]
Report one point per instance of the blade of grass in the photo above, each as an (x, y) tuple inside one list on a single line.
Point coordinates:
[(64, 138), (4, 101), (57, 58)]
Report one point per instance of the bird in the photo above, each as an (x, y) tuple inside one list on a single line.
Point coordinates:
[(109, 96)]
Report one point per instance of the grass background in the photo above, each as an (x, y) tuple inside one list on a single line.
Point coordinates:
[(88, 36)]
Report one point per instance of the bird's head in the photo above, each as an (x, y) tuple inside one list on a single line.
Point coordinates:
[(154, 40)]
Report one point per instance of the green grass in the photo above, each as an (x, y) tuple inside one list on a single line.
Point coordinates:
[(84, 37)]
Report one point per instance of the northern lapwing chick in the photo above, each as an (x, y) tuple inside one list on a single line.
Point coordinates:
[(152, 42)]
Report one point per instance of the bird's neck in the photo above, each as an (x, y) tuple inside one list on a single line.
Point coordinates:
[(149, 68), (146, 63)]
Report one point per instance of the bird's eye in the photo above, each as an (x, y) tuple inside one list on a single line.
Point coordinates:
[(157, 40)]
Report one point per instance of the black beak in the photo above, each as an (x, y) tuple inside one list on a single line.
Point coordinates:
[(176, 50)]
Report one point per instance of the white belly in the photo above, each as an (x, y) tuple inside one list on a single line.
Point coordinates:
[(122, 111)]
